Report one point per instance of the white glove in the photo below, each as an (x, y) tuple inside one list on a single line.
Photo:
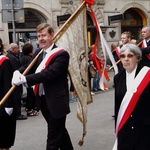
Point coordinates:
[(9, 111), (18, 78)]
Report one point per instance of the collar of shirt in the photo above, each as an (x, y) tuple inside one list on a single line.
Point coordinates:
[(50, 48), (130, 77)]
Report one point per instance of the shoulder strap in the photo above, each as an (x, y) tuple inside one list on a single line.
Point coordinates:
[(131, 97), (45, 63)]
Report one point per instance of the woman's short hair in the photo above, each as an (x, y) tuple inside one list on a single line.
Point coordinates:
[(27, 48), (132, 48)]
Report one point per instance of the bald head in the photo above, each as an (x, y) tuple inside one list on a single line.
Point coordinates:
[(13, 47), (146, 32)]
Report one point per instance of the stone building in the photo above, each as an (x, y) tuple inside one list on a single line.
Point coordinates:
[(114, 17)]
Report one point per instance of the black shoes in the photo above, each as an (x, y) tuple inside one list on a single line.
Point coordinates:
[(21, 117)]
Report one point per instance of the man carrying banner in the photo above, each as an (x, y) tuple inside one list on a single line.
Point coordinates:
[(132, 101), (49, 75)]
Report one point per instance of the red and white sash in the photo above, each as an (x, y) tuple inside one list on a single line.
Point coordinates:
[(117, 49), (44, 63), (2, 58), (130, 99), (144, 45)]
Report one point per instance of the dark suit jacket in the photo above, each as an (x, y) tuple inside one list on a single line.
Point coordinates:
[(55, 82), (145, 61), (136, 131), (15, 62)]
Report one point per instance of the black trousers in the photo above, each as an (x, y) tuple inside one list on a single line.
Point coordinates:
[(17, 97), (58, 137)]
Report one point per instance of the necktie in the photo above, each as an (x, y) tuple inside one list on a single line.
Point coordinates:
[(41, 89), (44, 54)]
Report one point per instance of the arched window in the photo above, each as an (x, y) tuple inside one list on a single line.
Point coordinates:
[(133, 21), (27, 30)]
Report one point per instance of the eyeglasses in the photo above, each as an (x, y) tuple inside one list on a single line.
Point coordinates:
[(128, 55)]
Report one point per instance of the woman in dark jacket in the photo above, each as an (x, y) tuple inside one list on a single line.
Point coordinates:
[(31, 108), (132, 101)]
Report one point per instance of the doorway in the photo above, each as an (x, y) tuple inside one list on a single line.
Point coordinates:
[(134, 20)]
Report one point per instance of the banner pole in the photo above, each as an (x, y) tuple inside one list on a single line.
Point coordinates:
[(35, 59)]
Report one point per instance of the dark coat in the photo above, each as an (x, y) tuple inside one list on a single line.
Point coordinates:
[(6, 73), (15, 62), (25, 59), (7, 122), (55, 82), (145, 61), (136, 131)]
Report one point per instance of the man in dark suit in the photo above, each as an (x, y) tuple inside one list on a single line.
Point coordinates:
[(145, 46), (51, 73), (15, 63)]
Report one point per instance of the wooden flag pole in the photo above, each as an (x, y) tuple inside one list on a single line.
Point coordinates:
[(24, 73), (35, 59), (116, 64), (70, 19)]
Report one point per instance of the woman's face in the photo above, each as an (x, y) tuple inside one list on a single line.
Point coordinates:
[(129, 60)]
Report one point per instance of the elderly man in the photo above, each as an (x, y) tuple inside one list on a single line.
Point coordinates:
[(15, 63), (145, 46)]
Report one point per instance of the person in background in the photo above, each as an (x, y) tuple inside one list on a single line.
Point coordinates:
[(145, 46), (73, 96), (7, 109), (96, 79), (49, 75), (132, 101), (20, 43), (31, 108), (125, 38), (113, 47), (15, 63)]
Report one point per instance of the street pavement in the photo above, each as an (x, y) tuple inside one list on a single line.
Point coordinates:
[(31, 133)]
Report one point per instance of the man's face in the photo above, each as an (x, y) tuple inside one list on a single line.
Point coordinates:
[(15, 50), (145, 33), (124, 39), (45, 39)]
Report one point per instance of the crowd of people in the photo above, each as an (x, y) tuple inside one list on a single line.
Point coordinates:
[(48, 90)]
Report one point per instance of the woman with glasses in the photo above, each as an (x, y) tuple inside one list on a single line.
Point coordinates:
[(132, 102)]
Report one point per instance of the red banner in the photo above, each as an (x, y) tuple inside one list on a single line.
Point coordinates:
[(90, 2)]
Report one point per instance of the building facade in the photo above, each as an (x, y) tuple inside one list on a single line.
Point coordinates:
[(113, 16)]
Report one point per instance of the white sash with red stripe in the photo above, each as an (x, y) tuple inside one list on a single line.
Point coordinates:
[(44, 63), (144, 45), (130, 99), (2, 58)]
